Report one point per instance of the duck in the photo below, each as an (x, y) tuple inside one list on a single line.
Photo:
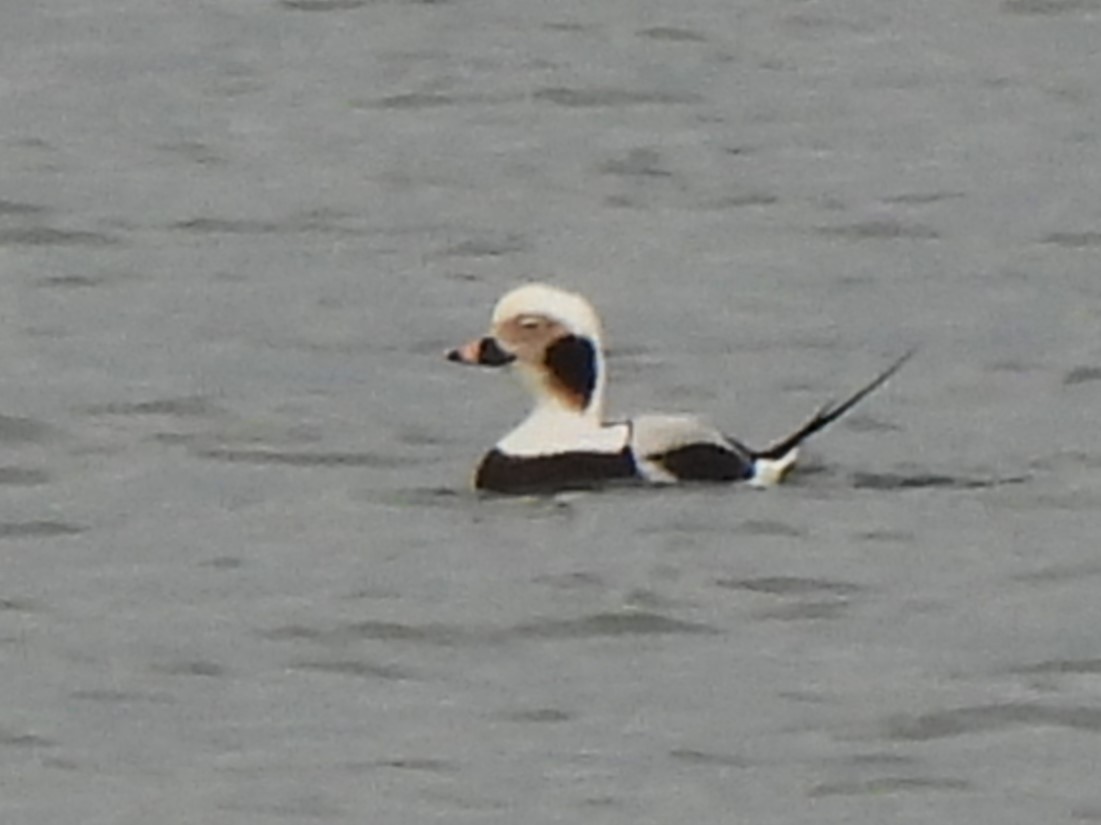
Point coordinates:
[(552, 340)]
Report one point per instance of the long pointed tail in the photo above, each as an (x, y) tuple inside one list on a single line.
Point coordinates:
[(826, 415)]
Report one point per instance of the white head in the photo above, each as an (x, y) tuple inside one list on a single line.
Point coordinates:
[(552, 340)]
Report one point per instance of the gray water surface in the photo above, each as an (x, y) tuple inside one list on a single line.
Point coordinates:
[(243, 580)]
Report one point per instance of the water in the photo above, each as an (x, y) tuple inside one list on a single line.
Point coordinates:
[(243, 580)]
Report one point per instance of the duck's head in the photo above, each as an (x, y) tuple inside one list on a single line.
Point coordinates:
[(552, 339)]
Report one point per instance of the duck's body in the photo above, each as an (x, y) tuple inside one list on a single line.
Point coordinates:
[(553, 340), (660, 449)]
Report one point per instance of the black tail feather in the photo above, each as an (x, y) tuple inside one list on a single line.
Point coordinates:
[(830, 412)]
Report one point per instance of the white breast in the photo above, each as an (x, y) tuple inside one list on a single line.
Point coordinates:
[(550, 435)]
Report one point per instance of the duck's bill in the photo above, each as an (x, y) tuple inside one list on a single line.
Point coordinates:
[(482, 352)]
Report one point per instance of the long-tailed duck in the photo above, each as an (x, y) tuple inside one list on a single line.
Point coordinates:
[(552, 339)]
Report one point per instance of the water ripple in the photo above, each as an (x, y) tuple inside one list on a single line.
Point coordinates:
[(919, 481), (597, 625), (1048, 8), (673, 34), (612, 97), (353, 667), (15, 739), (983, 718), (804, 611), (8, 208), (191, 667), (422, 763), (538, 716), (19, 429), (183, 406), (22, 477), (304, 459), (791, 585), (323, 5), (1082, 374), (719, 760), (38, 529), (888, 784), (1063, 666), (49, 236), (626, 623), (881, 230)]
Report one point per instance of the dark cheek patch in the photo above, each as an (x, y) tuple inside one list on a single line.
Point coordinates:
[(572, 364)]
